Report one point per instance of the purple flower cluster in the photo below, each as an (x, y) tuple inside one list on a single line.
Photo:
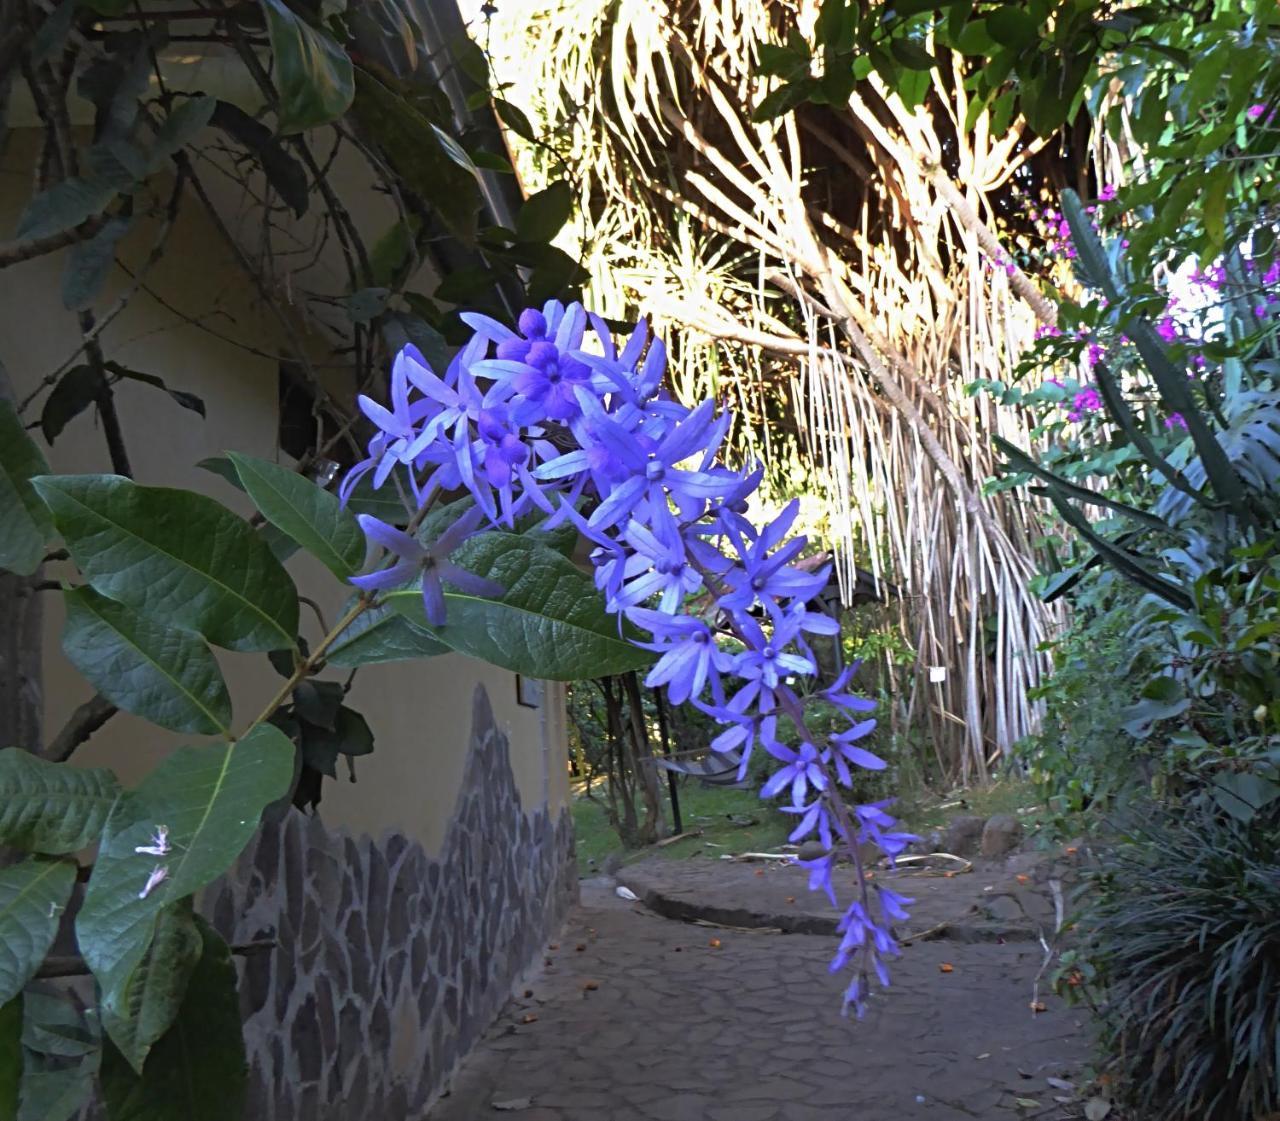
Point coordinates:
[(540, 419)]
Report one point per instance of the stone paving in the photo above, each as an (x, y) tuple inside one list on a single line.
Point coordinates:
[(637, 1017)]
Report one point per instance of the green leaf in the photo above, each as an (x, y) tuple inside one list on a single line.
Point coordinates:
[(1242, 795), (282, 546), (513, 117), (76, 390), (318, 702), (64, 206), (314, 518), (412, 148), (24, 518), (285, 174), (176, 555), (391, 251), (33, 896), (138, 1014), (179, 396), (1012, 26), (313, 74), (10, 1057), (180, 126), (550, 623), (783, 99), (52, 808), (56, 1092), (544, 213), (197, 1071), (1170, 381), (383, 634), (350, 736), (164, 674), (912, 53), (88, 264), (210, 799), (454, 151)]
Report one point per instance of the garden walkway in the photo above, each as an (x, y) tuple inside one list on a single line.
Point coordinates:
[(639, 1017)]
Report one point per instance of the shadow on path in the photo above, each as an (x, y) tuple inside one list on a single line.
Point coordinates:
[(635, 1017)]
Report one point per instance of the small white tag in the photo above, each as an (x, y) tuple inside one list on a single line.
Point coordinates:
[(937, 673)]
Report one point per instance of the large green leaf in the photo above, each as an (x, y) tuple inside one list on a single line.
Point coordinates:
[(24, 522), (382, 634), (550, 623), (313, 73), (197, 1072), (54, 1092), (52, 808), (412, 148), (314, 518), (33, 896), (544, 213), (176, 555), (167, 675), (55, 1032), (210, 799), (10, 1057), (65, 205), (136, 1015)]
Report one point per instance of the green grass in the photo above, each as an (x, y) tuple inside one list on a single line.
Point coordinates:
[(710, 809), (705, 808)]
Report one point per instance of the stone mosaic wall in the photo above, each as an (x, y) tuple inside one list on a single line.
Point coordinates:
[(390, 962)]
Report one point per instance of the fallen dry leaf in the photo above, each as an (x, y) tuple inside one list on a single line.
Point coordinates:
[(1023, 878), (759, 871), (529, 1018), (591, 986), (580, 947), (946, 967), (791, 898), (1095, 1109), (528, 993), (513, 1104), (714, 943), (677, 949), (1037, 1006), (553, 945)]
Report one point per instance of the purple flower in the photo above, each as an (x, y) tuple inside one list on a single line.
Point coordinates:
[(690, 657), (431, 561), (845, 751), (814, 817), (765, 577), (1255, 111), (1175, 420), (800, 770), (1107, 193), (766, 658)]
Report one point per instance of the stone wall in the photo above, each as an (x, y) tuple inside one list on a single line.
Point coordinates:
[(390, 962)]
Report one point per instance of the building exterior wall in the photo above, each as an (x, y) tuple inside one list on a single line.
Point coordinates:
[(406, 907)]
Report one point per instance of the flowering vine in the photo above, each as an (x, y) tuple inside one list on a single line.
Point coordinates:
[(535, 420)]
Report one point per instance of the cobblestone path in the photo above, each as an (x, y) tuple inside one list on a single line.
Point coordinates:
[(635, 1017)]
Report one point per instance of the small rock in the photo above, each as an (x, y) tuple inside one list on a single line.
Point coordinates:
[(812, 850), (1003, 908), (963, 836), (1001, 834)]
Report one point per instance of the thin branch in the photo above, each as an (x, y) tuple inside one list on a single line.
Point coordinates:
[(86, 720), (15, 252), (73, 965)]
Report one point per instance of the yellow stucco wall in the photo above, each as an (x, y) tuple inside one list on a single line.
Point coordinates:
[(419, 712)]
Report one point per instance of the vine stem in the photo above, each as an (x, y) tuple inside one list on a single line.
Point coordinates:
[(311, 661)]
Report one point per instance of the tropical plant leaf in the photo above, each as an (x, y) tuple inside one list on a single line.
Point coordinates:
[(26, 521), (550, 623), (52, 808), (180, 127), (314, 518), (165, 674), (210, 799), (197, 1071), (176, 555), (88, 264), (1118, 558), (179, 396), (383, 634), (76, 390), (313, 74), (544, 213), (1120, 412), (139, 1013), (1171, 382), (1023, 462), (33, 896), (64, 206), (285, 174), (413, 149), (55, 1092)]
